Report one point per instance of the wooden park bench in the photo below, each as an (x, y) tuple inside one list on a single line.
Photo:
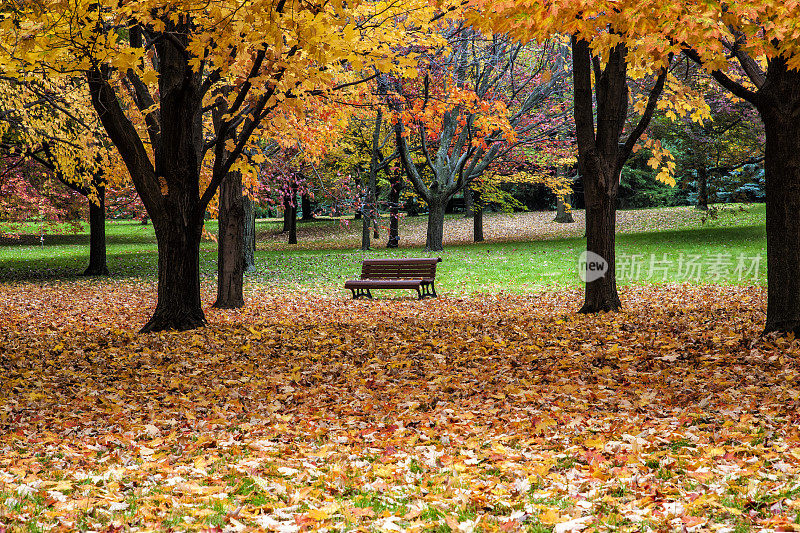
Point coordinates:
[(404, 273)]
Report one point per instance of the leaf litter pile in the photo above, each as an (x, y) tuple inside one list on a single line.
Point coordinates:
[(304, 412)]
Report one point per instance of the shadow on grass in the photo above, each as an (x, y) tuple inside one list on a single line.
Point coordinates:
[(137, 265)]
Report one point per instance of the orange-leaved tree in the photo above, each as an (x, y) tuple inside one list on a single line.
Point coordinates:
[(181, 60), (761, 40), (470, 106), (612, 48)]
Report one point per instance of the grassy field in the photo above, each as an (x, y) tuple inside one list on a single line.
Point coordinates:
[(523, 251)]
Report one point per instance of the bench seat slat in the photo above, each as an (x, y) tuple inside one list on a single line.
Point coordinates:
[(383, 284)]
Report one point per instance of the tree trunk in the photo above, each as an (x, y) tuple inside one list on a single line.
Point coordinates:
[(782, 171), (249, 234), (601, 216), (179, 307), (702, 188), (230, 244), (469, 201), (366, 222), (287, 213), (562, 215), (600, 159), (394, 211), (293, 222), (306, 206), (97, 236), (477, 215), (435, 235)]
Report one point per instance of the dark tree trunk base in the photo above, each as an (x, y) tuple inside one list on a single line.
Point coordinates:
[(167, 321), (228, 304), (95, 271), (477, 223), (601, 303), (293, 225), (306, 206), (783, 328)]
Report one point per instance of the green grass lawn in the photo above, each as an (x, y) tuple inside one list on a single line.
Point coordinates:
[(524, 251)]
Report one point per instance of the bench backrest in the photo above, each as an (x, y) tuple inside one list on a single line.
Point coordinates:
[(410, 268)]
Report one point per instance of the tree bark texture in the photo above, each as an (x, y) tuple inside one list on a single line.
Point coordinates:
[(435, 234), (293, 222), (601, 202), (394, 210), (306, 207), (287, 213), (779, 106), (178, 306), (230, 244), (97, 236), (249, 234), (477, 216)]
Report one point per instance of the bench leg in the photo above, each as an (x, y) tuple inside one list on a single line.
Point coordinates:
[(359, 293), (427, 290)]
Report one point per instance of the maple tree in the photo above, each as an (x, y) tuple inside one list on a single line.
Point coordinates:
[(729, 138), (469, 106), (760, 39), (613, 50), (758, 36), (171, 61), (51, 124)]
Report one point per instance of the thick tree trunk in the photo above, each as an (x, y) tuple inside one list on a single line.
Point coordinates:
[(601, 217), (702, 188), (249, 234), (97, 236), (782, 170), (477, 216), (230, 244), (179, 306), (306, 206), (601, 155), (435, 236)]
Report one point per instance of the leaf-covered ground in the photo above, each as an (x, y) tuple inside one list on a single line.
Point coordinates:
[(487, 413)]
